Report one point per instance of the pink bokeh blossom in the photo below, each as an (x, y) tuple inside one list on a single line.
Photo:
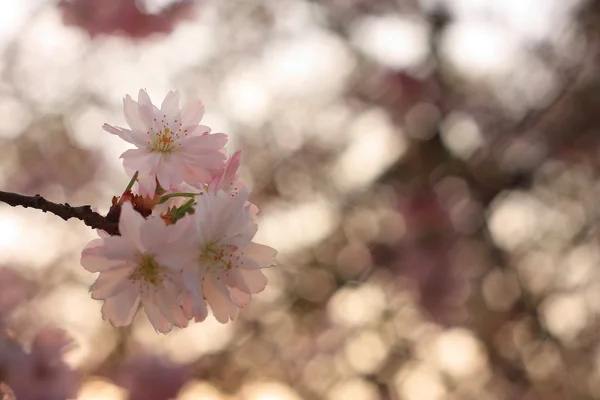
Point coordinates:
[(40, 374), (124, 17)]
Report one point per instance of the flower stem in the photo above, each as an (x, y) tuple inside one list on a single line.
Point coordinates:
[(184, 208), (181, 211), (171, 195), (132, 181)]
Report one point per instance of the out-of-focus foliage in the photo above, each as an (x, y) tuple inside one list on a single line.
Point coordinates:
[(427, 169)]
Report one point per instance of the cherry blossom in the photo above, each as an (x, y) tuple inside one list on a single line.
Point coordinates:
[(222, 264), (227, 178), (171, 145), (132, 271)]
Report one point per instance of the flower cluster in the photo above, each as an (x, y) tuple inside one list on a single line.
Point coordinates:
[(186, 230)]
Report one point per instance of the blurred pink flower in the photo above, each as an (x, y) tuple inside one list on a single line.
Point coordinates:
[(124, 17), (225, 267), (428, 255), (16, 290), (171, 145), (132, 271), (151, 378), (40, 374)]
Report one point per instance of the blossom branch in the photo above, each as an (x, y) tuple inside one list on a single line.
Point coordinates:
[(65, 211)]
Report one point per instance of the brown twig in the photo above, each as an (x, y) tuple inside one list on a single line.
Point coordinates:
[(65, 211)]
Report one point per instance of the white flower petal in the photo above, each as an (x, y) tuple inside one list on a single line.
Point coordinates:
[(192, 280), (205, 144), (227, 177), (192, 113), (158, 321), (170, 105), (140, 160), (176, 233), (112, 282), (147, 185), (166, 300), (217, 296), (154, 234), (200, 130), (120, 309), (132, 137), (94, 263), (205, 219), (175, 256), (144, 99), (130, 224), (186, 304), (103, 254), (237, 227), (92, 258), (170, 172), (223, 216), (146, 110), (146, 164), (132, 115), (118, 248), (262, 255), (194, 173), (250, 281), (239, 298)]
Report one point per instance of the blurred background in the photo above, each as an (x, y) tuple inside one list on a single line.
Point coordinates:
[(428, 170)]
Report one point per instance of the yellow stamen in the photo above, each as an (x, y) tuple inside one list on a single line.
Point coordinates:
[(147, 269)]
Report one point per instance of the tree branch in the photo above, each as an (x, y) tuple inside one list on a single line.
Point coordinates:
[(65, 211)]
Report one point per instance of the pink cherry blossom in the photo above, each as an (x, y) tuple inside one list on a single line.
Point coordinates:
[(227, 178), (224, 264), (132, 271), (171, 145)]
